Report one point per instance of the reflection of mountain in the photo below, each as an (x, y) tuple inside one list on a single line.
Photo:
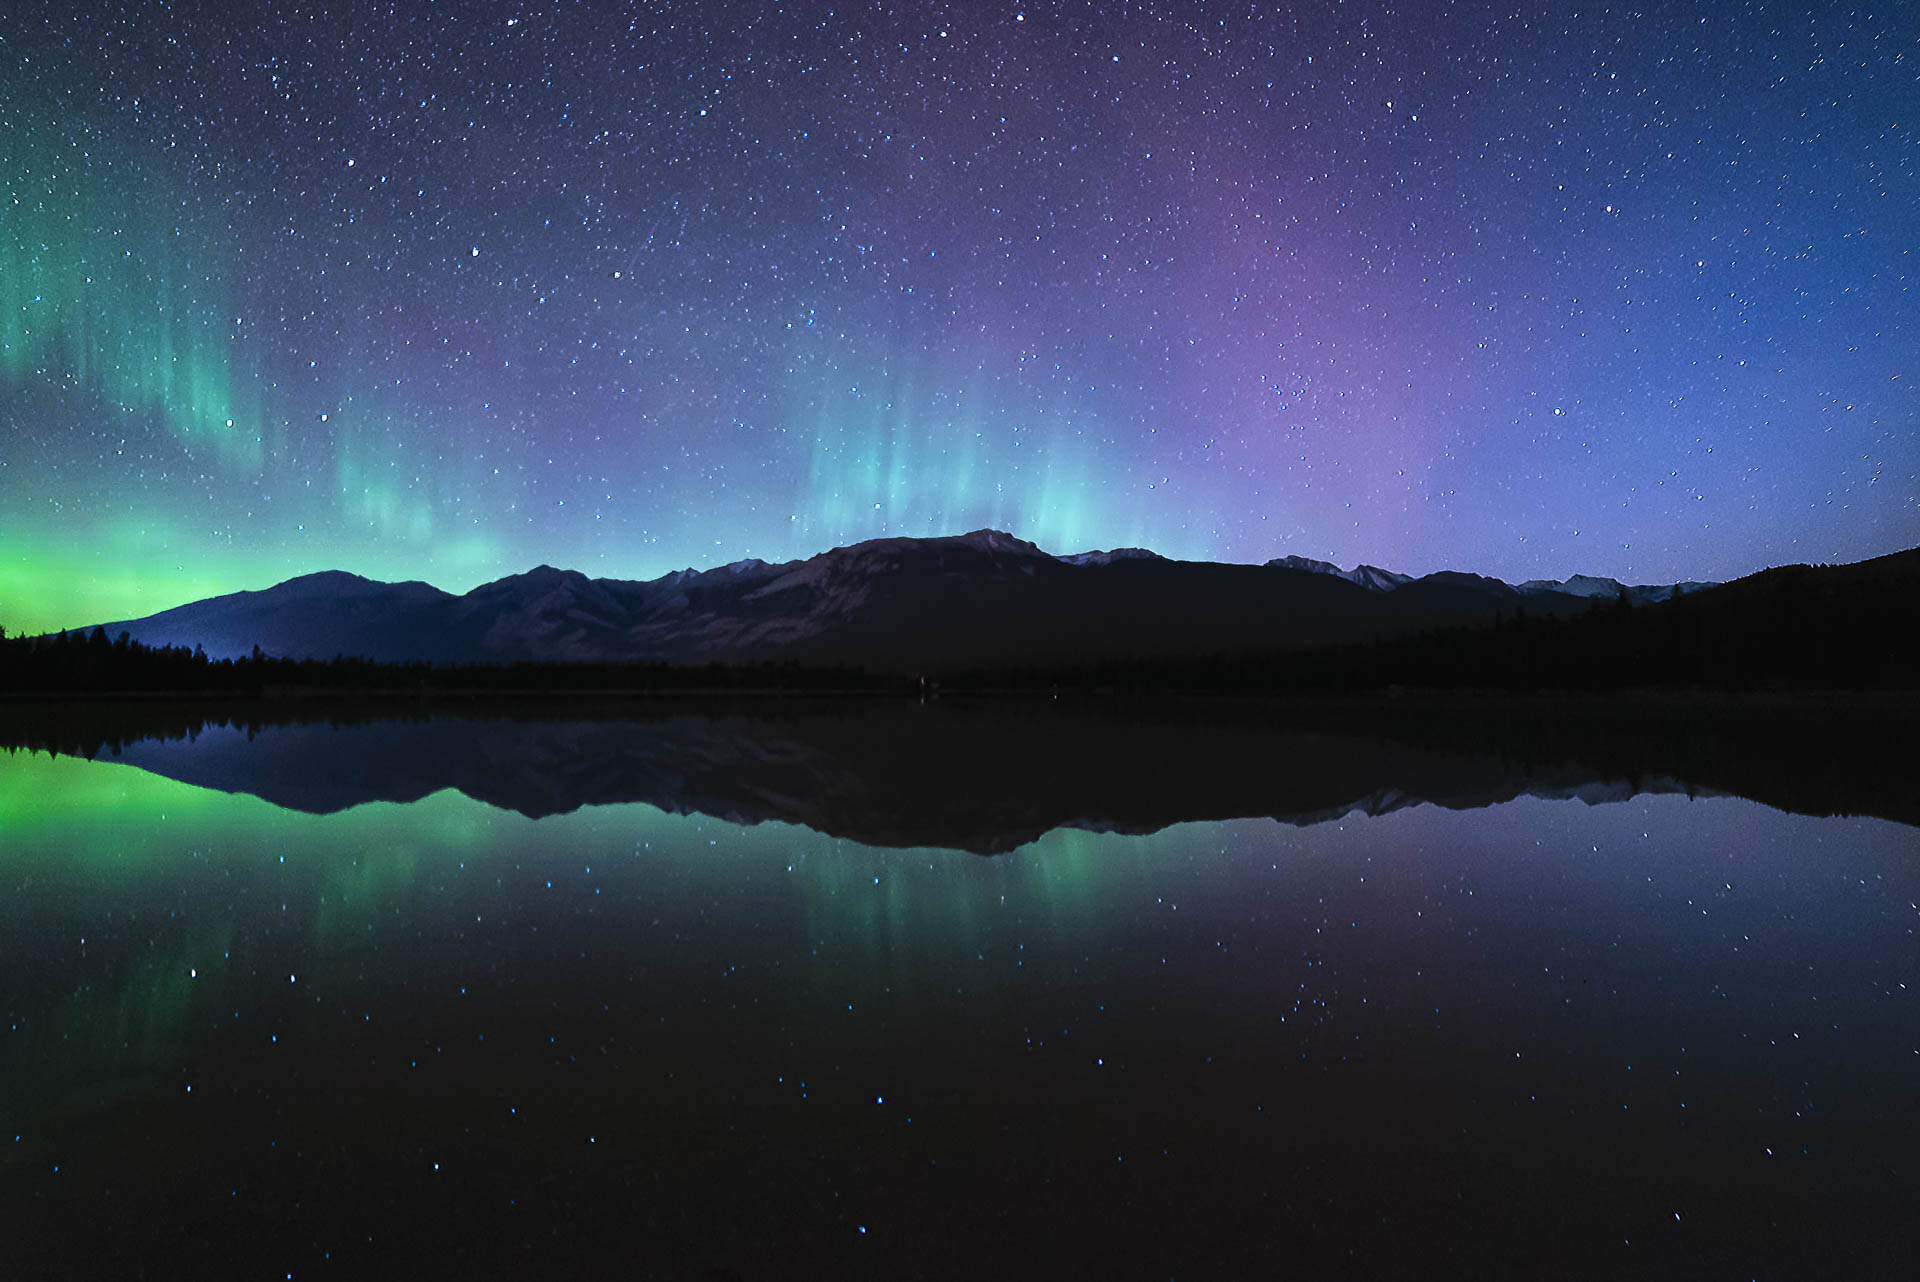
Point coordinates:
[(990, 776)]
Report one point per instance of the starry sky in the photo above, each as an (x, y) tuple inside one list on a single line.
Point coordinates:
[(447, 290)]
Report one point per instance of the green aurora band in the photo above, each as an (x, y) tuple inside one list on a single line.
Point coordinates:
[(213, 471)]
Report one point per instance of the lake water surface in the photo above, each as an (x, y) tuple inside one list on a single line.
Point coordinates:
[(1654, 1032)]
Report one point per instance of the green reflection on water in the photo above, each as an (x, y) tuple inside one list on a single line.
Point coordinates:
[(75, 806), (167, 910), (1615, 989)]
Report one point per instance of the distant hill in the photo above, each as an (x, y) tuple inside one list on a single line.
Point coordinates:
[(1794, 627), (976, 600)]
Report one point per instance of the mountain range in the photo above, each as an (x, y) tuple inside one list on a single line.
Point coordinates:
[(901, 604)]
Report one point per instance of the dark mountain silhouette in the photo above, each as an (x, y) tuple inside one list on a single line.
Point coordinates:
[(329, 613), (1799, 626), (908, 605)]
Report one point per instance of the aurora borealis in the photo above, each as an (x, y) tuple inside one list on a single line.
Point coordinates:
[(443, 291)]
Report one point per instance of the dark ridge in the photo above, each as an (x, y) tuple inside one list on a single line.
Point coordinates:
[(910, 606), (981, 612)]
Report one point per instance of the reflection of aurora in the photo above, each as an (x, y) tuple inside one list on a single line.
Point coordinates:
[(882, 917), (198, 906), (136, 872), (570, 1009), (252, 890)]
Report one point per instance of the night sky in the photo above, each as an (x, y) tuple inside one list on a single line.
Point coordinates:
[(446, 290)]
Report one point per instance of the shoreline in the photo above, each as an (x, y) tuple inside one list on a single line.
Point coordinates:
[(1887, 698)]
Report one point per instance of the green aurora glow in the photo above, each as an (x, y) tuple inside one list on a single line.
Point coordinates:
[(408, 301), (103, 842), (116, 317)]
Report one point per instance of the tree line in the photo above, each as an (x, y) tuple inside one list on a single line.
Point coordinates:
[(1798, 627), (93, 663)]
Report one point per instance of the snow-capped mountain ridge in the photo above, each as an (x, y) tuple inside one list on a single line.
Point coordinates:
[(1591, 587), (1108, 558), (1366, 576), (1584, 586)]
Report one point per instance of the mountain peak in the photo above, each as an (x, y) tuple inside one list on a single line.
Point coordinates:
[(326, 584), (1371, 577), (1583, 585), (1307, 563), (541, 576), (322, 577), (991, 541), (1108, 558), (998, 541), (1595, 588)]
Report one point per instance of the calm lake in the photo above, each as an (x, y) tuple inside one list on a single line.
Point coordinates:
[(919, 993)]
